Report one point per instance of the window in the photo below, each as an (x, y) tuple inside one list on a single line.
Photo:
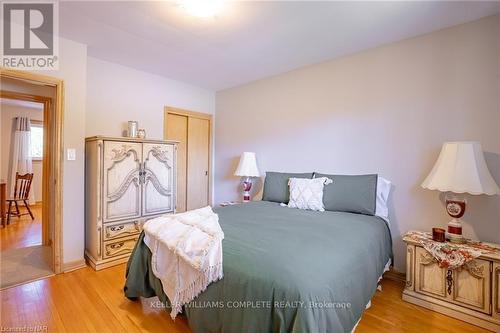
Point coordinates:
[(37, 141)]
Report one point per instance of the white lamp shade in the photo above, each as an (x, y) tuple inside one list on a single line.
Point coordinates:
[(461, 168), (247, 166)]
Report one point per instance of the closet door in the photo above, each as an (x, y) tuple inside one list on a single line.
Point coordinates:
[(176, 128), (198, 159), (121, 183), (193, 131), (158, 178)]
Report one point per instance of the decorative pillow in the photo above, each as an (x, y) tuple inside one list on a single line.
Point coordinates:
[(307, 193), (276, 185), (354, 194)]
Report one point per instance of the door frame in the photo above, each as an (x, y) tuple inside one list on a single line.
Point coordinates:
[(199, 115), (53, 158)]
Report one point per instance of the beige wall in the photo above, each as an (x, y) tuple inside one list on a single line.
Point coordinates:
[(386, 111), (117, 94), (8, 114)]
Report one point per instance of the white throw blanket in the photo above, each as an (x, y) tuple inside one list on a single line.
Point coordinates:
[(186, 253)]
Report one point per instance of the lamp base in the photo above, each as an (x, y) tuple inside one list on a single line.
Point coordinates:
[(247, 186), (454, 233), (457, 239), (455, 206)]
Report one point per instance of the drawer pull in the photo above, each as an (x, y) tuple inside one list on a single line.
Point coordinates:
[(117, 245), (114, 248), (118, 228)]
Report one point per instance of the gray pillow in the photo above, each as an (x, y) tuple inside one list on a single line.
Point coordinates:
[(354, 194), (276, 185)]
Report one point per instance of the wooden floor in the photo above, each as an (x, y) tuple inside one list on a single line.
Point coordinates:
[(89, 301), (23, 231)]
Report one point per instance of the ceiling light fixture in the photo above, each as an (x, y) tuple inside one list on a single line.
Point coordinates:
[(202, 8)]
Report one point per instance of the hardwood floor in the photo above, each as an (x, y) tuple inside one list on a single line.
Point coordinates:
[(89, 301), (22, 232)]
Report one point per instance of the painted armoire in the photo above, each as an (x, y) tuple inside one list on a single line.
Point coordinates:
[(127, 182)]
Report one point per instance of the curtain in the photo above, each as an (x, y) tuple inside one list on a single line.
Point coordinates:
[(21, 154)]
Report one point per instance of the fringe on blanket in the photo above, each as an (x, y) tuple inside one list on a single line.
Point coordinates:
[(211, 274)]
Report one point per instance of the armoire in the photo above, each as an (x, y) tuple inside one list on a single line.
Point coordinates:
[(127, 182)]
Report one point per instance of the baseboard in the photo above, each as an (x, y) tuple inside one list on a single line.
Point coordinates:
[(394, 275), (74, 265)]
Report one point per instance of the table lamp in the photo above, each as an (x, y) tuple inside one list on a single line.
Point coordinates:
[(247, 168), (460, 168)]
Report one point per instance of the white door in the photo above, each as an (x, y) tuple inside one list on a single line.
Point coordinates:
[(122, 187), (158, 178)]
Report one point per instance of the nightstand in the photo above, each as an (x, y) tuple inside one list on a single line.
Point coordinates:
[(470, 293)]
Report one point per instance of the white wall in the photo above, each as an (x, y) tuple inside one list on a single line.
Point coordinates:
[(117, 94), (8, 114), (387, 110)]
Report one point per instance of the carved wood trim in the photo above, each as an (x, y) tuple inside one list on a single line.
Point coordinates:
[(474, 269), (132, 177), (449, 281), (99, 180), (150, 176), (427, 259), (410, 264), (161, 155), (122, 153), (496, 289)]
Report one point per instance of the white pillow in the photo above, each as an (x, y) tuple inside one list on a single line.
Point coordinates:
[(383, 189), (307, 193)]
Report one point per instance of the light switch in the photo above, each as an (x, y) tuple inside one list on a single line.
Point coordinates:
[(71, 154)]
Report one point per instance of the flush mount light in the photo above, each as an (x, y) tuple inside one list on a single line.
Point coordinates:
[(202, 8)]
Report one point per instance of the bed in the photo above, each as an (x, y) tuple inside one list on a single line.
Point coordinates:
[(285, 270)]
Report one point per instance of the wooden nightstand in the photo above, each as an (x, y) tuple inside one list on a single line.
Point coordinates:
[(470, 293)]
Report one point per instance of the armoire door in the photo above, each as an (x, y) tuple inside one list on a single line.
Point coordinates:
[(198, 159), (121, 183), (158, 178), (192, 130)]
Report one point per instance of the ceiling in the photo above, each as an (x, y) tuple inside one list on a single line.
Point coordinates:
[(249, 40)]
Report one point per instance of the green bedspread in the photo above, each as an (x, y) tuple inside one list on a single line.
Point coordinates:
[(285, 270)]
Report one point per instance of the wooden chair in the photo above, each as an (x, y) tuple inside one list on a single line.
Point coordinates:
[(21, 193)]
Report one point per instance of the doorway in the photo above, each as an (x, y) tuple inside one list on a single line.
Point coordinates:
[(31, 125), (193, 131)]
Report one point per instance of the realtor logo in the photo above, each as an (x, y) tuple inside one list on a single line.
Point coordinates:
[(29, 35)]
